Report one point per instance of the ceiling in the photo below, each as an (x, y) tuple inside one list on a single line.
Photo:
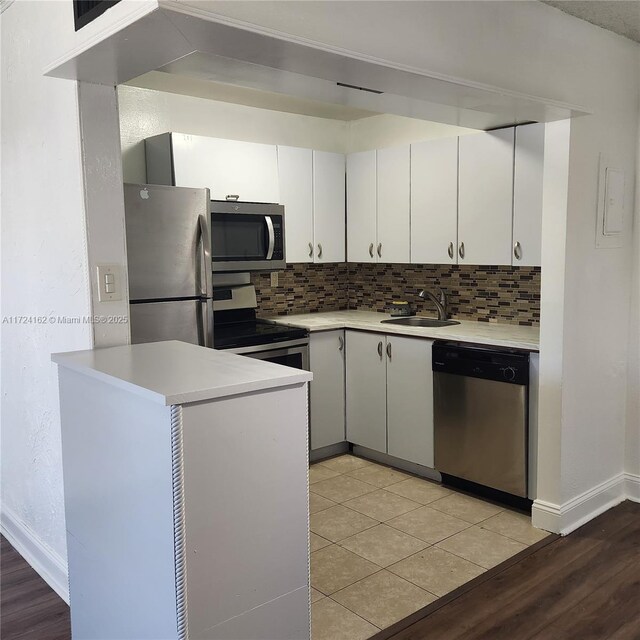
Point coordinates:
[(620, 16)]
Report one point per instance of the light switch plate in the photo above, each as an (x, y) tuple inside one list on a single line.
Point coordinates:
[(274, 278), (109, 274)]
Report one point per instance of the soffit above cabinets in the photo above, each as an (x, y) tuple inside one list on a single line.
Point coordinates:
[(247, 96), (199, 47)]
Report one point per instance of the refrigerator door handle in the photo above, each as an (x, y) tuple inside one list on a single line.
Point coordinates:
[(207, 322), (272, 237), (205, 239), (204, 322)]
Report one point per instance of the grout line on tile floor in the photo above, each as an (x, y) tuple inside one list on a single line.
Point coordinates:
[(369, 576), (350, 611), (431, 544)]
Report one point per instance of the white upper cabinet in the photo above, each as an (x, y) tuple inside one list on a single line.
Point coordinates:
[(527, 195), (295, 173), (227, 167), (393, 204), (434, 201), (361, 207), (485, 207), (328, 206)]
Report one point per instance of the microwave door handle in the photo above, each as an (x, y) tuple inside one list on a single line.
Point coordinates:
[(205, 239), (272, 237)]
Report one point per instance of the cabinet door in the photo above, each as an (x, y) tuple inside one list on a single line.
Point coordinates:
[(295, 174), (486, 198), (326, 357), (393, 180), (434, 201), (527, 195), (366, 390), (328, 206), (227, 167), (361, 207), (410, 399)]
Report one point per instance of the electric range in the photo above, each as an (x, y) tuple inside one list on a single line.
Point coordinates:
[(238, 330)]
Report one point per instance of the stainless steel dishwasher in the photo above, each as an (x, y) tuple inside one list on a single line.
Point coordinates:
[(481, 415)]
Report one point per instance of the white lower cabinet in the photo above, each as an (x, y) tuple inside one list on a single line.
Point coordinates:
[(410, 399), (390, 395), (326, 359), (366, 390)]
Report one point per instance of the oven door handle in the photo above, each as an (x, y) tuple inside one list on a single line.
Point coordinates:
[(272, 237)]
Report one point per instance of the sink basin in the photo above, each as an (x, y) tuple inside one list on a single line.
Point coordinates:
[(417, 321)]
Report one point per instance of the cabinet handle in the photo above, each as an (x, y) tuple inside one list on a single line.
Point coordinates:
[(517, 251), (340, 343), (319, 250), (380, 349), (380, 250), (371, 249), (310, 250), (389, 350), (450, 250), (232, 198), (461, 250)]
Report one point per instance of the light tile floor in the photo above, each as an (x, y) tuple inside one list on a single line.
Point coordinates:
[(385, 544)]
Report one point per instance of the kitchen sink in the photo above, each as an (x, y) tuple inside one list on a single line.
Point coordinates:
[(417, 321)]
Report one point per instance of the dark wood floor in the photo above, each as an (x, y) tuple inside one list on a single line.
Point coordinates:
[(29, 608), (585, 586)]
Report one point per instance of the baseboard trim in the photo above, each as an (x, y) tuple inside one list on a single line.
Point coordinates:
[(565, 518), (632, 486), (46, 562)]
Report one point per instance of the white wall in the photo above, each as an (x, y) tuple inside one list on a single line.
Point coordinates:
[(145, 112), (632, 463), (385, 130), (44, 270)]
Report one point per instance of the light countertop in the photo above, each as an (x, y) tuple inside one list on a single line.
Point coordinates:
[(499, 335), (174, 372)]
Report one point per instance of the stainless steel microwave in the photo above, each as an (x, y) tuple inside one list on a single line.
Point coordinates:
[(247, 236)]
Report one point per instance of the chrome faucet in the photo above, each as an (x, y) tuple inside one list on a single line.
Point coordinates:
[(440, 301)]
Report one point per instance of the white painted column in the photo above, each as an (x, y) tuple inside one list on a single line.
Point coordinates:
[(104, 206), (545, 512)]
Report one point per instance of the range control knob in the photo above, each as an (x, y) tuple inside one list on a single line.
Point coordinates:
[(508, 373)]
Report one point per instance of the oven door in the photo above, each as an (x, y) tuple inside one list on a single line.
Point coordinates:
[(247, 241), (294, 354)]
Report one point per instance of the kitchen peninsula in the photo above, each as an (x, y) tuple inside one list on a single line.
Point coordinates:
[(185, 493)]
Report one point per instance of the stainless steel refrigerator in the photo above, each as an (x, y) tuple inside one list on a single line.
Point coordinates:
[(169, 263)]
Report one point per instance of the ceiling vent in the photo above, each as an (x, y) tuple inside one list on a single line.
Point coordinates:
[(353, 86)]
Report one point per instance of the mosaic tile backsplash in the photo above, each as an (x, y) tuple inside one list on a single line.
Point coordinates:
[(491, 294), (303, 288), (508, 295)]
